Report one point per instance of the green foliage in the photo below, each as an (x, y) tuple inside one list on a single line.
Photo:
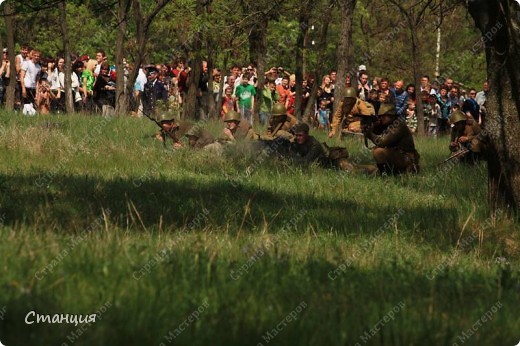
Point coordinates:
[(94, 211)]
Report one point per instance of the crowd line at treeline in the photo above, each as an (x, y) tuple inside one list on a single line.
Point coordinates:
[(41, 90), (93, 83)]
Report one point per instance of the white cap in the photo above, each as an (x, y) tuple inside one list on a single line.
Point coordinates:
[(362, 68)]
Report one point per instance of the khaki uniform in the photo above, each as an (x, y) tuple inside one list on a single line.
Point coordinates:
[(472, 130), (359, 109), (395, 149), (284, 130)]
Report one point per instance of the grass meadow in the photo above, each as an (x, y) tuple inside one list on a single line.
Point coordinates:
[(189, 248)]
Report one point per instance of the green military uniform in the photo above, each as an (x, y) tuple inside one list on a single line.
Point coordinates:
[(394, 152), (199, 138), (353, 115)]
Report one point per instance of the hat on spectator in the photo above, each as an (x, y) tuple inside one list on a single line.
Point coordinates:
[(362, 68), (84, 58), (151, 69), (4, 50)]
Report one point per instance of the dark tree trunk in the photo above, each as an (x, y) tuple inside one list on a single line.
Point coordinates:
[(69, 100), (318, 71), (9, 29), (419, 110), (257, 52), (305, 12), (346, 8), (122, 93), (499, 22)]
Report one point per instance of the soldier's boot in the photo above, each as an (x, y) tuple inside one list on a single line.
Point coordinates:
[(383, 169)]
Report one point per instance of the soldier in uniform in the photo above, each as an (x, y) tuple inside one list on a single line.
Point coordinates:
[(198, 138), (466, 134), (154, 91), (236, 129), (394, 150), (307, 149), (280, 124), (353, 109)]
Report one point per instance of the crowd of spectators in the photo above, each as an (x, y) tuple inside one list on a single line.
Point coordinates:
[(40, 89)]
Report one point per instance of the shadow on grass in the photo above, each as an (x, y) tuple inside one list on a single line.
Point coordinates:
[(73, 203)]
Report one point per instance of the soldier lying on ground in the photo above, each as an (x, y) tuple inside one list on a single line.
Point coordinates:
[(307, 150)]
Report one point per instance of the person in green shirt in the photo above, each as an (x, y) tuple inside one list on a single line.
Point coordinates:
[(245, 94), (269, 97)]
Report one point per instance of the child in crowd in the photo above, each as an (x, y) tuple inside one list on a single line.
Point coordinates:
[(411, 119), (323, 115)]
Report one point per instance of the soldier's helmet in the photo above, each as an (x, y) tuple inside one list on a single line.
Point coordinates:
[(231, 116), (279, 109), (194, 131), (457, 116), (164, 117), (350, 92), (387, 109)]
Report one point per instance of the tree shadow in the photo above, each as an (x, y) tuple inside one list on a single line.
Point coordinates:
[(75, 203)]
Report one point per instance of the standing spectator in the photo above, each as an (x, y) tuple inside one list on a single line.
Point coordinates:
[(181, 73), (245, 94), (202, 92), (363, 87), (401, 98), (100, 58), (4, 74), (269, 97), (445, 110), (87, 82), (216, 83), (54, 83), (230, 82), (289, 105), (481, 100), (333, 76), (410, 89), (471, 108), (327, 94), (385, 95), (154, 91), (28, 77), (228, 102), (454, 97), (283, 90)]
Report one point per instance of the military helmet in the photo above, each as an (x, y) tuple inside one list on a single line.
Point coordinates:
[(350, 92), (279, 109), (231, 116), (457, 116), (387, 109), (193, 131)]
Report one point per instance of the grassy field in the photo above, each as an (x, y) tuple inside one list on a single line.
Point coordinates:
[(189, 248)]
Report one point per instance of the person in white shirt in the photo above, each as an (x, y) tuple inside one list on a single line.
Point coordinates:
[(28, 77)]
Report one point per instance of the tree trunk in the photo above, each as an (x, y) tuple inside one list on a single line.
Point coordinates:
[(9, 29), (122, 95), (499, 22), (67, 79), (419, 110), (300, 48), (346, 8), (318, 71), (257, 52)]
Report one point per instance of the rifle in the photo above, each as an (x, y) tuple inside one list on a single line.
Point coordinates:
[(163, 132), (459, 153)]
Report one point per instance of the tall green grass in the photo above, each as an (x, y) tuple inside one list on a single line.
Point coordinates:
[(96, 213)]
